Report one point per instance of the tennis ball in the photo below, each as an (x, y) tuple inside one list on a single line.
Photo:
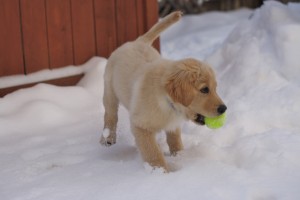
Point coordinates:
[(215, 122)]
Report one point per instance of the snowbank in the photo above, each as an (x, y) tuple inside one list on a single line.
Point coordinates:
[(46, 74), (49, 135)]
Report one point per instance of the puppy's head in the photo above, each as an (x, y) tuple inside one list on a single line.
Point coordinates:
[(193, 85)]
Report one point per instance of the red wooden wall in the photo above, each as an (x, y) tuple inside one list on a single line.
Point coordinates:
[(48, 34)]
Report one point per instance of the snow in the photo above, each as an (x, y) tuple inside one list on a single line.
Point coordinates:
[(47, 74), (49, 135), (105, 133)]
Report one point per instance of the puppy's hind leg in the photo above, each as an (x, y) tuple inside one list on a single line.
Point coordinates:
[(111, 104)]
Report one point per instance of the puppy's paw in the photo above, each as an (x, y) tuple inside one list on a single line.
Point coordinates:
[(107, 139), (107, 142), (173, 153), (156, 170)]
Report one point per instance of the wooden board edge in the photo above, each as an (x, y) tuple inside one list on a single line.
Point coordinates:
[(66, 81)]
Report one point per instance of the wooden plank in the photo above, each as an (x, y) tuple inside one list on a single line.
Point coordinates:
[(127, 29), (83, 30), (34, 35), (140, 9), (67, 81), (11, 52), (59, 33), (105, 22), (151, 17)]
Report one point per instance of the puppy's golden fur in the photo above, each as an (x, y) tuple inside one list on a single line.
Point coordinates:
[(158, 93)]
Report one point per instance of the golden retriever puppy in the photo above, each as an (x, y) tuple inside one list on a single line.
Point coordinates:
[(158, 93)]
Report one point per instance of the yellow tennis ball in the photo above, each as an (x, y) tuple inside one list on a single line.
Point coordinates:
[(215, 122)]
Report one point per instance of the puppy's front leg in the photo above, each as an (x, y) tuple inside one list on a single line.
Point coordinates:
[(149, 148), (174, 141)]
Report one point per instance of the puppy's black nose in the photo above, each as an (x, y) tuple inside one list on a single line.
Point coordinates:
[(221, 109)]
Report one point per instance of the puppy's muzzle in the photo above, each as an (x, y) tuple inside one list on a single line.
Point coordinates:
[(199, 119)]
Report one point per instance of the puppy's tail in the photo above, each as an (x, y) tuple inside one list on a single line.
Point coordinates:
[(159, 27)]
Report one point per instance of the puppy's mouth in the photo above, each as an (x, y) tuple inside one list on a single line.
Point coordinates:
[(199, 119)]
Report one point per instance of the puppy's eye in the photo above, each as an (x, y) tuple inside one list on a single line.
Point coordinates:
[(205, 90)]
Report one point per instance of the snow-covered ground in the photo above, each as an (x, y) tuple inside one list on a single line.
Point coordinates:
[(49, 135)]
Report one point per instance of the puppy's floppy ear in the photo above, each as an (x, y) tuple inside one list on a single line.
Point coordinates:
[(180, 86)]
